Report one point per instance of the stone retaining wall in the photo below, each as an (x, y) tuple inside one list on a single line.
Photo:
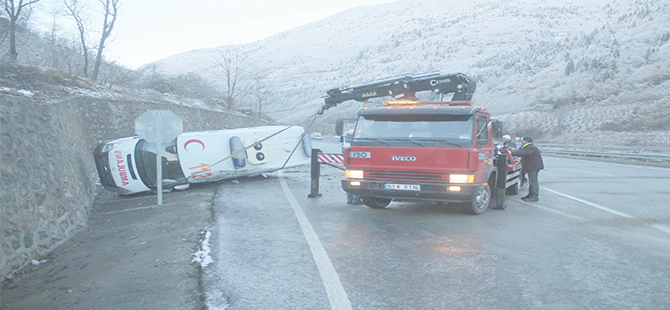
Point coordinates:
[(46, 165)]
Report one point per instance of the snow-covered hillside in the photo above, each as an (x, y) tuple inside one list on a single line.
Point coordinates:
[(563, 71)]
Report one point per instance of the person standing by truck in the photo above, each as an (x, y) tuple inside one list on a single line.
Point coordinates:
[(531, 164), (508, 143)]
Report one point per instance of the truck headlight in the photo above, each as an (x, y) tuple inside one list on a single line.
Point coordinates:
[(354, 174), (461, 178)]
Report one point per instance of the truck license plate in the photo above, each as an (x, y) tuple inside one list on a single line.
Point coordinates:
[(403, 187)]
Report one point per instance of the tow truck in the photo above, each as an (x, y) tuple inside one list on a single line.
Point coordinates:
[(436, 151)]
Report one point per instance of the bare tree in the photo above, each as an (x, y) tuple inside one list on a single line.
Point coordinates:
[(53, 56), (111, 11), (13, 11), (561, 115), (231, 63), (261, 91), (74, 10)]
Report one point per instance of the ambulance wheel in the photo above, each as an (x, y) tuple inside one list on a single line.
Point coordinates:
[(513, 190), (480, 202), (376, 203)]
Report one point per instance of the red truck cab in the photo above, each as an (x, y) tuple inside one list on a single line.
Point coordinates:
[(435, 151)]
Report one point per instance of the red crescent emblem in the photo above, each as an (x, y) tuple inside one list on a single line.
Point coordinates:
[(194, 141)]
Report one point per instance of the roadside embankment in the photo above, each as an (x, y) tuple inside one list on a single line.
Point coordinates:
[(47, 167)]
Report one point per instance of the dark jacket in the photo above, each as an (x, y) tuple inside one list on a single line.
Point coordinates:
[(531, 159)]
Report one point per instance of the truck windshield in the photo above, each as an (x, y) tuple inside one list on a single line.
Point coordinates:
[(145, 159), (415, 130)]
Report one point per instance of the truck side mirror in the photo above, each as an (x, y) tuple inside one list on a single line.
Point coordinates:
[(496, 129), (339, 126), (348, 137)]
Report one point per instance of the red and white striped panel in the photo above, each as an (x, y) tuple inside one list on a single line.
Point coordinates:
[(331, 158)]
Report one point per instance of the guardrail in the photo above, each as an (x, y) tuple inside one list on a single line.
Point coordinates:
[(659, 155)]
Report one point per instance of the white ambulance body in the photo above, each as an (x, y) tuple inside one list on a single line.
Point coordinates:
[(128, 165)]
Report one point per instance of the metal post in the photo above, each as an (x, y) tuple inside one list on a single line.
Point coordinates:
[(501, 181), (159, 162), (315, 174)]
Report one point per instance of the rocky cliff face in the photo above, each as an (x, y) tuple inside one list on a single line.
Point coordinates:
[(47, 168)]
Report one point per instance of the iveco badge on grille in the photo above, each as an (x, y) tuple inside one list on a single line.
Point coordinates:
[(403, 158)]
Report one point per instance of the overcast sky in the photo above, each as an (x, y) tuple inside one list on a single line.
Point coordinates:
[(149, 30)]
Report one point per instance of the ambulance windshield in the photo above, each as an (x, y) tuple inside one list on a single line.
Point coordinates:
[(145, 152)]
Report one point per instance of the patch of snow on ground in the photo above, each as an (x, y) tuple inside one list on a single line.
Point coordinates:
[(202, 256), (26, 93)]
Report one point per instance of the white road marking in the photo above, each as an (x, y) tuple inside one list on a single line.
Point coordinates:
[(657, 169), (129, 210), (140, 208), (596, 173), (610, 164), (572, 216), (652, 238), (336, 295), (661, 228), (597, 206)]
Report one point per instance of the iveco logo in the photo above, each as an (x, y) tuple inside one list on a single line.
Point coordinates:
[(403, 158)]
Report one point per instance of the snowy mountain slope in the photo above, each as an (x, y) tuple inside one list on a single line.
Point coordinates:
[(567, 71)]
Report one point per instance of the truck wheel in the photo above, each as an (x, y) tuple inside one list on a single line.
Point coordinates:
[(513, 190), (480, 202), (376, 203)]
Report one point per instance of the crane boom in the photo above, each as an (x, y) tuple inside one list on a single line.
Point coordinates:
[(405, 87)]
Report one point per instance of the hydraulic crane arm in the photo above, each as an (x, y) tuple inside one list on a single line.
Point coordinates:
[(405, 87)]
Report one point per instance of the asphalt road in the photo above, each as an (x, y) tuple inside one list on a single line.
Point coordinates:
[(599, 238)]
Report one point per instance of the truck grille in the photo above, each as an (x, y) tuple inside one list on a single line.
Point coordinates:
[(408, 176)]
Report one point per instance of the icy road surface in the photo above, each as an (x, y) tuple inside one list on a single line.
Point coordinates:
[(597, 239)]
